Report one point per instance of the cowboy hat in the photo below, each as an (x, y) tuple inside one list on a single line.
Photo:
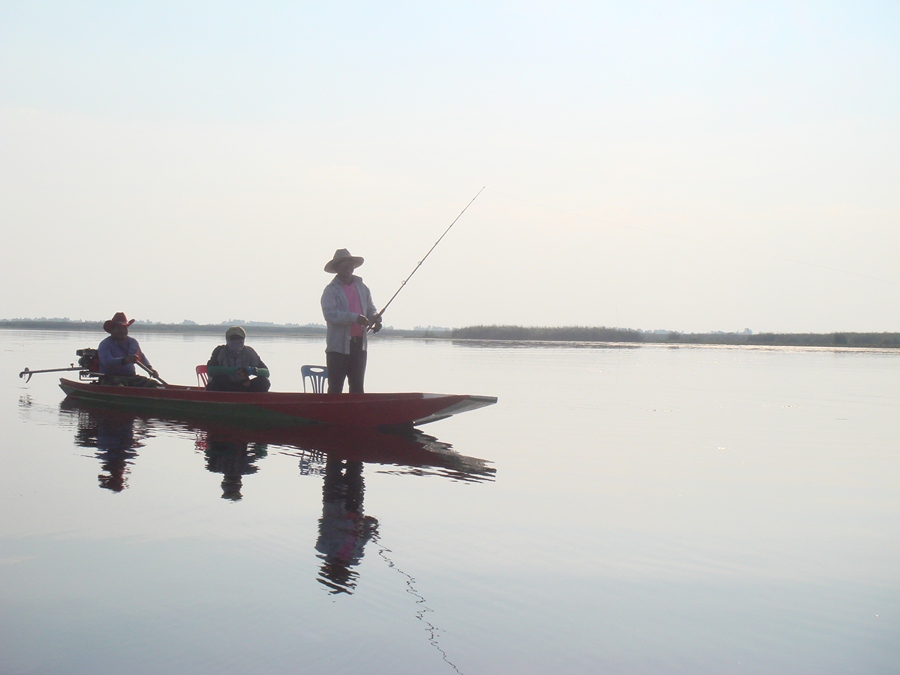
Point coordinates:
[(339, 256), (117, 320)]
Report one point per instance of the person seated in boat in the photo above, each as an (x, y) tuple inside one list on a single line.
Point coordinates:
[(119, 352), (235, 366)]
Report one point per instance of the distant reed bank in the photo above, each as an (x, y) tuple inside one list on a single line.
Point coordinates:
[(516, 333), (603, 334)]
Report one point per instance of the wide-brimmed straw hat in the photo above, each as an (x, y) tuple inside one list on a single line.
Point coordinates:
[(117, 320), (341, 255)]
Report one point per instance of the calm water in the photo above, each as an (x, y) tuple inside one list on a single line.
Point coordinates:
[(649, 510)]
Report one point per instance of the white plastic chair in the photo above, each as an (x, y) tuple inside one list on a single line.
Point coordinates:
[(318, 376)]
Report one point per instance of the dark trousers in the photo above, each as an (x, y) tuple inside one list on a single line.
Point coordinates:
[(350, 367), (256, 384)]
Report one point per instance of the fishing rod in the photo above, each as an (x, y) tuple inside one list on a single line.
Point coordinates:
[(428, 254)]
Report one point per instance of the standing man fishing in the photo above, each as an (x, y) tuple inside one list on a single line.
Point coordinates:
[(118, 353), (349, 312)]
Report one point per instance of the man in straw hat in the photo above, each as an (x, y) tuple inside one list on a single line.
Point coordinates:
[(118, 353), (349, 313), (231, 365)]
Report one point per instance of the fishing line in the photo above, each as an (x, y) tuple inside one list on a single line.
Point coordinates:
[(702, 241), (403, 283), (433, 631)]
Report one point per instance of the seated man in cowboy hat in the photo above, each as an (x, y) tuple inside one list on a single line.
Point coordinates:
[(349, 313), (231, 365), (118, 353)]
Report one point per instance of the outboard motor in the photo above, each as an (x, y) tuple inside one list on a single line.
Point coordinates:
[(88, 366), (89, 361)]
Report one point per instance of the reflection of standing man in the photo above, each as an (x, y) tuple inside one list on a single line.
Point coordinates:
[(349, 312), (343, 529)]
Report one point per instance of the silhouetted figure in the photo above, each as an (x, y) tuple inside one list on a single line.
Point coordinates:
[(343, 529)]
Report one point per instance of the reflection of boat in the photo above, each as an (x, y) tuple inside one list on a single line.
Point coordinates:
[(285, 408), (405, 448), (234, 450)]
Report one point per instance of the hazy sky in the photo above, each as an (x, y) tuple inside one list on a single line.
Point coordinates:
[(682, 165)]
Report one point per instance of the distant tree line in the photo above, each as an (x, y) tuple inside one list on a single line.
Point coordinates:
[(827, 339), (603, 334), (549, 333), (154, 327), (190, 327), (516, 333)]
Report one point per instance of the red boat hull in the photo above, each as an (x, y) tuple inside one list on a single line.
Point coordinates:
[(357, 410)]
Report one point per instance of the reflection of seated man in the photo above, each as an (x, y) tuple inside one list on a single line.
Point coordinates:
[(118, 353), (111, 434), (115, 450), (231, 365), (343, 529), (233, 460)]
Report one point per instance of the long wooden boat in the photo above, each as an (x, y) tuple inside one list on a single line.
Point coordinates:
[(285, 408)]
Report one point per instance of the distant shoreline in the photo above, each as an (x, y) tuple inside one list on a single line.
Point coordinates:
[(634, 337), (203, 329), (510, 333)]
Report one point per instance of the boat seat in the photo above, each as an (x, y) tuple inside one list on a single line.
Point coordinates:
[(202, 377), (318, 376)]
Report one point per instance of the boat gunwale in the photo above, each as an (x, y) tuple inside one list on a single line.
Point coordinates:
[(288, 407), (181, 391)]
